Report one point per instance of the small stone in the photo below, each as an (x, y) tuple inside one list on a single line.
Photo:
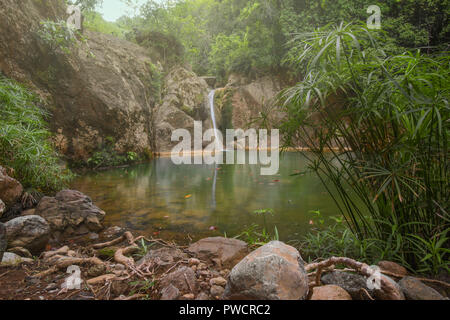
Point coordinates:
[(218, 282), (204, 285), (330, 292), (202, 266), (189, 296), (96, 271), (203, 296), (350, 282), (194, 261), (415, 289), (217, 291), (194, 268), (224, 273), (170, 293), (52, 286), (393, 267)]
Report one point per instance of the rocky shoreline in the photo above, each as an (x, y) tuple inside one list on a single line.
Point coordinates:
[(39, 242)]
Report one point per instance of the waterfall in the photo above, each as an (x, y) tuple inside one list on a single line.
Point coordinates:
[(219, 145)]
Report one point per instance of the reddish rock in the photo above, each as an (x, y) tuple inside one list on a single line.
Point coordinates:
[(10, 189), (183, 279), (273, 272), (330, 292), (222, 251), (393, 267)]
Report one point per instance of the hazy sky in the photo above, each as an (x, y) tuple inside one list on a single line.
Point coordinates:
[(114, 9)]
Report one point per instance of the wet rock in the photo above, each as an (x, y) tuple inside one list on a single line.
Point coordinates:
[(223, 251), (30, 232), (3, 241), (218, 282), (182, 278), (330, 292), (163, 258), (170, 293), (13, 259), (273, 272), (350, 282), (415, 289), (393, 267), (188, 296), (217, 291), (70, 213), (10, 189)]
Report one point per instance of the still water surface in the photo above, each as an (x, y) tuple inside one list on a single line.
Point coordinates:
[(186, 201)]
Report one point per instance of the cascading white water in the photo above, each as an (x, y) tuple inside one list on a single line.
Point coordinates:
[(219, 145)]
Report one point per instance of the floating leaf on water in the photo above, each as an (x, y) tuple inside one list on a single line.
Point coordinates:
[(188, 196)]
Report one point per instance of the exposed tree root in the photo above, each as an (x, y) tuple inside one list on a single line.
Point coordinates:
[(387, 288)]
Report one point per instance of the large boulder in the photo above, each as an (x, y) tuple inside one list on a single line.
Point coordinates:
[(70, 213), (273, 272), (10, 190), (101, 89), (29, 232), (223, 252), (350, 282), (415, 289), (184, 101), (3, 240)]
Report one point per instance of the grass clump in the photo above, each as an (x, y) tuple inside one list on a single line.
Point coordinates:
[(24, 140)]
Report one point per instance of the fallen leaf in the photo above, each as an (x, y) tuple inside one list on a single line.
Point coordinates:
[(188, 196), (213, 228)]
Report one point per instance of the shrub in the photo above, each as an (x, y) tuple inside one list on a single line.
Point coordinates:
[(24, 139)]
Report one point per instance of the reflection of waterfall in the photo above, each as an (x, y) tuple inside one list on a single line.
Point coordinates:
[(219, 145), (213, 203)]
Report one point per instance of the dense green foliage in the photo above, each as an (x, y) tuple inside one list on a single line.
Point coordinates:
[(384, 121), (24, 139), (253, 36)]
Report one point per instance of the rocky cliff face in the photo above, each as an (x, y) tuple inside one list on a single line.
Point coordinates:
[(185, 101), (242, 101), (101, 89)]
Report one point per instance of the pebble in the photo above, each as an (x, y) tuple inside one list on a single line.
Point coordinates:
[(218, 282)]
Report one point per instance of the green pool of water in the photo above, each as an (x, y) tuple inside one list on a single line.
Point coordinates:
[(183, 202)]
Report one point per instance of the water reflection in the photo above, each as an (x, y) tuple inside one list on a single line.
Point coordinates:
[(182, 201)]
